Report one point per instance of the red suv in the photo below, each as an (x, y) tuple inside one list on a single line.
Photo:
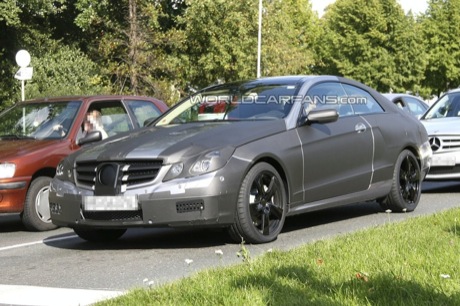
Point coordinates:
[(35, 135)]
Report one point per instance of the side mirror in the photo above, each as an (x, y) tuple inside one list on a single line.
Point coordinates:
[(321, 116), (92, 136)]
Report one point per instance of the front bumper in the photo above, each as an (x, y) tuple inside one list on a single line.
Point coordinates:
[(444, 166), (207, 200), (12, 195)]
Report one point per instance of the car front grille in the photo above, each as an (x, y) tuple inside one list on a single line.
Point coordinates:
[(134, 172), (444, 143)]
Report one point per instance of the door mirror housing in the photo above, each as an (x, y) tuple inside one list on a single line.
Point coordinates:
[(321, 116), (92, 136)]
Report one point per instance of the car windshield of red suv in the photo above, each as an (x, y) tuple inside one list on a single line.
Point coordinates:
[(38, 120)]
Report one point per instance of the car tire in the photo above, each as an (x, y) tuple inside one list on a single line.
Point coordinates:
[(406, 186), (36, 215), (99, 235), (261, 206)]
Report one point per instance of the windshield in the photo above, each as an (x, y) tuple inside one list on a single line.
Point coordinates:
[(446, 106), (38, 120), (251, 101)]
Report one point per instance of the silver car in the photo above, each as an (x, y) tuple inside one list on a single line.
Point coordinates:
[(244, 156), (442, 122)]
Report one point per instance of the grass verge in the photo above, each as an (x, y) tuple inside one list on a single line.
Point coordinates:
[(414, 262)]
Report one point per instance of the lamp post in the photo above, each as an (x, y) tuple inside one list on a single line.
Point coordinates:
[(24, 72), (259, 39)]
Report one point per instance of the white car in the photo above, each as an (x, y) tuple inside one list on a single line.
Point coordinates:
[(442, 122)]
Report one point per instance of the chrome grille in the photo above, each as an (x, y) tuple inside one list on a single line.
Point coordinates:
[(448, 143), (135, 172)]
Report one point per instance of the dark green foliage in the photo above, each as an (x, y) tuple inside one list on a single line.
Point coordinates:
[(373, 42), (164, 48), (441, 31)]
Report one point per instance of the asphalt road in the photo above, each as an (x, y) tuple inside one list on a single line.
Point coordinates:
[(59, 259)]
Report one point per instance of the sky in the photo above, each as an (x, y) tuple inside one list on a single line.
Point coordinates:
[(417, 6)]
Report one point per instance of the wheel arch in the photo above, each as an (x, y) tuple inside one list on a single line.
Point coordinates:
[(47, 171), (414, 151)]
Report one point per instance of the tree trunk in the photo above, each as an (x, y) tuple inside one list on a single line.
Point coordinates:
[(133, 41)]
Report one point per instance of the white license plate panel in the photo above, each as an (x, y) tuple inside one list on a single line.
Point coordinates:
[(448, 161), (110, 203)]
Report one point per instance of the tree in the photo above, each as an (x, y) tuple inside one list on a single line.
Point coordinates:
[(23, 25), (62, 71), (441, 31), (221, 41), (373, 42), (131, 45), (291, 31), (221, 38)]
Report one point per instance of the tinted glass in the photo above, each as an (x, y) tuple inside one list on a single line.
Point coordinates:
[(330, 95), (415, 106), (38, 120), (446, 106), (144, 111), (361, 101), (253, 101)]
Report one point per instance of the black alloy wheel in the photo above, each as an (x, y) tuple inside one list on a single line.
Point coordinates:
[(406, 187), (261, 207)]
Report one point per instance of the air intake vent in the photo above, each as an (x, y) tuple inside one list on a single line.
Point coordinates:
[(120, 216), (189, 206)]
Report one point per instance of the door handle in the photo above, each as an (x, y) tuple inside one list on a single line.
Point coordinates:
[(360, 127)]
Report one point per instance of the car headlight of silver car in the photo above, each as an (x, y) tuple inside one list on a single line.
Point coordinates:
[(205, 163), (7, 170)]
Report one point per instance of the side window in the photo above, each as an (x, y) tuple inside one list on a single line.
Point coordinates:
[(113, 116), (143, 111), (328, 96), (361, 101), (414, 106)]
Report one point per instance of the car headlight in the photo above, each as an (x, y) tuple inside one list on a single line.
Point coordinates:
[(209, 162), (174, 171), (64, 171), (205, 163), (7, 170)]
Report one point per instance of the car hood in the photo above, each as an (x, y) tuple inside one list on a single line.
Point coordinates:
[(11, 149), (174, 143), (442, 126)]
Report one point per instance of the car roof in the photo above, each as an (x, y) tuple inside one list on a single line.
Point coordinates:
[(289, 80)]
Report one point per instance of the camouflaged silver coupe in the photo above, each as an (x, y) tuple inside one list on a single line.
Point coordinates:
[(244, 156)]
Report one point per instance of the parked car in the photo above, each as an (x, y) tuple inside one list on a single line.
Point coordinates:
[(411, 104), (35, 135), (281, 146), (442, 122)]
